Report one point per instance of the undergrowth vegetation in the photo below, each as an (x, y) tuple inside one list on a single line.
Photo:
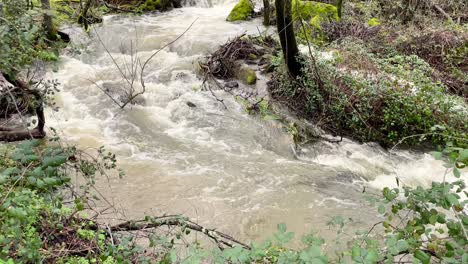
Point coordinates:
[(23, 39), (375, 98), (382, 74)]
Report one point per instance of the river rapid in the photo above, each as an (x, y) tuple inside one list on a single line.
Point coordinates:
[(220, 167)]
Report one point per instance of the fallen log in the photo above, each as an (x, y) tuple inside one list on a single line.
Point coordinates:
[(221, 239), (17, 134)]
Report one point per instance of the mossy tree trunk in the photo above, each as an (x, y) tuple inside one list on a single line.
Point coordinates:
[(48, 24), (287, 37), (339, 6), (266, 12), (83, 18)]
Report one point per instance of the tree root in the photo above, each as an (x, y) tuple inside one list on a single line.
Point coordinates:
[(12, 134)]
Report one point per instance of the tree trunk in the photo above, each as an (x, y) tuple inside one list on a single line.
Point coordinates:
[(339, 6), (83, 18), (287, 37), (9, 134), (47, 23), (266, 13)]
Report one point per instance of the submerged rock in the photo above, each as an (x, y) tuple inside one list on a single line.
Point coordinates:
[(231, 84), (190, 104), (242, 11), (177, 3)]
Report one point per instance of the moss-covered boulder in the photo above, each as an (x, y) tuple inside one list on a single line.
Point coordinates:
[(151, 5), (373, 22), (315, 12), (246, 74), (241, 11)]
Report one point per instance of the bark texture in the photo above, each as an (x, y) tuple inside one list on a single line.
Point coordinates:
[(48, 24), (339, 6), (266, 12), (287, 37)]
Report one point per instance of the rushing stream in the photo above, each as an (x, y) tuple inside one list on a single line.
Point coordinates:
[(219, 166)]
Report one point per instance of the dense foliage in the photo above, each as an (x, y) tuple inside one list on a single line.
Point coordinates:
[(375, 98)]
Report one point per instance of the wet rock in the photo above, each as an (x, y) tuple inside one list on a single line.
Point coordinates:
[(190, 104), (246, 74), (177, 3), (231, 84), (242, 11), (182, 76), (139, 100)]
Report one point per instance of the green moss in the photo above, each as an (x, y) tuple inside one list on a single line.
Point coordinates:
[(151, 5), (251, 77), (241, 11), (246, 74), (47, 56), (373, 22), (315, 12), (253, 56)]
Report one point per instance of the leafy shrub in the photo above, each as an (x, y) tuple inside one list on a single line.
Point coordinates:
[(35, 225), (371, 98)]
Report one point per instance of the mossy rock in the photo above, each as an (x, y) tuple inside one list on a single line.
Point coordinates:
[(151, 5), (246, 74), (315, 12), (373, 22), (241, 11)]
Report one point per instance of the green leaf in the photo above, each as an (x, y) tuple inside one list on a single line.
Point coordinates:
[(54, 161), (452, 199), (79, 204), (422, 256), (356, 254), (463, 156), (381, 209), (372, 256), (456, 172), (10, 171), (465, 258), (40, 183), (437, 155), (50, 181), (173, 255), (282, 228), (402, 245), (3, 179), (29, 158)]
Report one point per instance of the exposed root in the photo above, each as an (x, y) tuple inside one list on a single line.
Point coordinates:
[(17, 99)]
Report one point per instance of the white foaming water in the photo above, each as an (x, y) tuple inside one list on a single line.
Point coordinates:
[(219, 166)]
